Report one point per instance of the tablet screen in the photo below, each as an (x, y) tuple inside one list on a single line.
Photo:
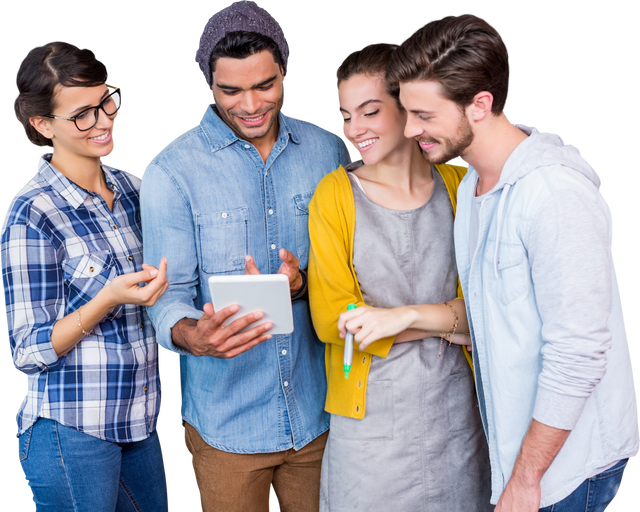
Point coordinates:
[(268, 293)]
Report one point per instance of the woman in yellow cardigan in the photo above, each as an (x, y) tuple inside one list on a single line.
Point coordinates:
[(405, 430)]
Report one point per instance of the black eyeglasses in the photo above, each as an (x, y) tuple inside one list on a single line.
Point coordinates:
[(88, 118)]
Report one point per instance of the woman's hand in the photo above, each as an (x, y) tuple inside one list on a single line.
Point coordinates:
[(371, 324), (460, 339), (125, 288)]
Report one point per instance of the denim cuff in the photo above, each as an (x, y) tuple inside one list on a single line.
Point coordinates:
[(171, 315)]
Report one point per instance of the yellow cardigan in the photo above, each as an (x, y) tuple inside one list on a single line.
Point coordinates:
[(333, 285)]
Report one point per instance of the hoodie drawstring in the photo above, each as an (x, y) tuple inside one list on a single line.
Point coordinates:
[(503, 200)]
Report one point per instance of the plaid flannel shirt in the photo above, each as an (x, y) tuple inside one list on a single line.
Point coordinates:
[(60, 245)]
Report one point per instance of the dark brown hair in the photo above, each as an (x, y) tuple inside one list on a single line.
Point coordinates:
[(464, 54), (42, 70), (242, 44), (372, 60)]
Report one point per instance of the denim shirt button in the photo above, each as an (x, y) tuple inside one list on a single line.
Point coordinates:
[(225, 215), (273, 246), (284, 352), (286, 383), (270, 212), (246, 146)]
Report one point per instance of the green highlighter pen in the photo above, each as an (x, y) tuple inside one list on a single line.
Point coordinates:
[(348, 348)]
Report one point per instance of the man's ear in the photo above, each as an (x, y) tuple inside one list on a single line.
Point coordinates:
[(42, 126), (480, 106)]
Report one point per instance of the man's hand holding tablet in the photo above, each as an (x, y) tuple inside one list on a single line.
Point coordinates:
[(209, 336)]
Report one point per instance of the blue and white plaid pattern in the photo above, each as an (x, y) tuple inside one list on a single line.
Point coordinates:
[(60, 245)]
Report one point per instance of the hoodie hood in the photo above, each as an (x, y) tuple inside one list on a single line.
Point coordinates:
[(536, 151), (541, 150)]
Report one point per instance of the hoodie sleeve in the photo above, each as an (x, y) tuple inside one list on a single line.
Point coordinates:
[(570, 255)]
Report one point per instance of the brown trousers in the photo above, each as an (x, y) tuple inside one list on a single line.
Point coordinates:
[(231, 482)]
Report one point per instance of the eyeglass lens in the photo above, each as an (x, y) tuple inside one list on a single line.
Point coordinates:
[(87, 119)]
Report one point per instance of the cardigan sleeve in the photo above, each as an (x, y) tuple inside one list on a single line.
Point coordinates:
[(332, 281)]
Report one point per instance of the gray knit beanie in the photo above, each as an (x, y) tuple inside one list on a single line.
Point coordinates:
[(246, 16)]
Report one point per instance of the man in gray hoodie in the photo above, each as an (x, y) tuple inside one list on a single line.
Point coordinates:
[(533, 248)]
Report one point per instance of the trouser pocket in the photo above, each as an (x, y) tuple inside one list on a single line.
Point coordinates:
[(23, 443)]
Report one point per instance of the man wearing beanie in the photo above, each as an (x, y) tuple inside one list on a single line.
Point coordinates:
[(230, 197)]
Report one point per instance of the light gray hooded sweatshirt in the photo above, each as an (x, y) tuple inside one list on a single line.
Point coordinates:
[(545, 314)]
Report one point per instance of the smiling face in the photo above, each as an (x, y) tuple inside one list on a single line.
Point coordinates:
[(249, 94), (437, 123), (372, 120), (67, 140)]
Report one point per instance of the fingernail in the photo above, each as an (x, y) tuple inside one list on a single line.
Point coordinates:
[(154, 272), (247, 258)]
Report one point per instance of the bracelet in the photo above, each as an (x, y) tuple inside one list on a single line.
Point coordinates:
[(84, 333), (302, 292), (453, 327)]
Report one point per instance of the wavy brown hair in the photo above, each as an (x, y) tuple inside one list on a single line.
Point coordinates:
[(464, 54)]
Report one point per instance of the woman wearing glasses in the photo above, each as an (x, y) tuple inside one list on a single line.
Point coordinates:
[(405, 430), (75, 289)]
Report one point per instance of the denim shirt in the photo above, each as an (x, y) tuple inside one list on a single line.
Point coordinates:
[(208, 200)]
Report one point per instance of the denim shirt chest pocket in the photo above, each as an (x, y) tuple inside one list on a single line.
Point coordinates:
[(513, 271), (222, 239), (85, 276), (301, 202)]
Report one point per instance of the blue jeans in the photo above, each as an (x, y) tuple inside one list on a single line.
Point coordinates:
[(72, 471), (594, 494)]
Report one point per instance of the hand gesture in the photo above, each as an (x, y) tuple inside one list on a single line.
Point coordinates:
[(125, 289), (290, 267)]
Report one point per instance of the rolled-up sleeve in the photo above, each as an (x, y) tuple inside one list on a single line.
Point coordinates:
[(168, 230), (34, 297), (571, 269)]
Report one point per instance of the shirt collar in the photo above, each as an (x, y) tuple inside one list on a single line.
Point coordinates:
[(219, 135), (74, 194)]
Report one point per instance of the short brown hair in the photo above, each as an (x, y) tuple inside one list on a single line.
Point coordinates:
[(464, 54), (42, 70), (372, 60)]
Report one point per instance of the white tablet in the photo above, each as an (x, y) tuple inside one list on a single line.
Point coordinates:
[(268, 293)]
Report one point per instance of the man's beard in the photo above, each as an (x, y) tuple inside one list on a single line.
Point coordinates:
[(246, 132), (453, 147)]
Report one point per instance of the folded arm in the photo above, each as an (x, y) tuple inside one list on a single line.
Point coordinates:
[(332, 284)]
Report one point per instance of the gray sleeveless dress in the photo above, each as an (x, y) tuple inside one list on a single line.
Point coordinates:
[(420, 446)]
